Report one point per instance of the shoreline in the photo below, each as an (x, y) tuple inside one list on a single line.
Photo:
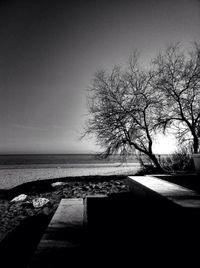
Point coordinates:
[(10, 178)]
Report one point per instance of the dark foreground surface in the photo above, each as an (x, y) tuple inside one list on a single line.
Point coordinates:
[(18, 246), (142, 232), (122, 229)]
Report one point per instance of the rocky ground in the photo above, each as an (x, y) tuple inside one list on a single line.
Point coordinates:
[(14, 213)]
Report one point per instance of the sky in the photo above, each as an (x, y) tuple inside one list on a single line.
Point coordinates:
[(50, 50)]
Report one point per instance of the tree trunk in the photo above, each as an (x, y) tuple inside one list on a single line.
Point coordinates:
[(156, 162), (195, 144)]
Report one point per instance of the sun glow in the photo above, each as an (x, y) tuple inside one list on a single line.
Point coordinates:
[(164, 144)]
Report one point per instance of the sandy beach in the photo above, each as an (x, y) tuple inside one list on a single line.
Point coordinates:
[(11, 177)]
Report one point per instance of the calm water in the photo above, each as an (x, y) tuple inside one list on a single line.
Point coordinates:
[(34, 160)]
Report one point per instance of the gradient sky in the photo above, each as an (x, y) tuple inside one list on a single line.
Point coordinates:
[(49, 51)]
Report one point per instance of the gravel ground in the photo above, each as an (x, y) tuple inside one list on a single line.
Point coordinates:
[(13, 213)]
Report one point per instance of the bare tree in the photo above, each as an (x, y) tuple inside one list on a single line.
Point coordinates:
[(178, 79), (123, 108)]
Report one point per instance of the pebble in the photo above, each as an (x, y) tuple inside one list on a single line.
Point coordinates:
[(12, 213), (18, 198), (40, 202), (57, 184)]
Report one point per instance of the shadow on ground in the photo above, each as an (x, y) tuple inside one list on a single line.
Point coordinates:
[(122, 229), (18, 246), (125, 229)]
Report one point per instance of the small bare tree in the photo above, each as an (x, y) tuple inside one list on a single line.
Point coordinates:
[(178, 79), (123, 108)]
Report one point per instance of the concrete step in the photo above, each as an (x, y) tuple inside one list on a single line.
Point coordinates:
[(63, 238), (83, 230)]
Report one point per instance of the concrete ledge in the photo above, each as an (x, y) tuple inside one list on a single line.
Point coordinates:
[(181, 196)]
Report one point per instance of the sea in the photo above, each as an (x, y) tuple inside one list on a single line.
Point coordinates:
[(59, 160)]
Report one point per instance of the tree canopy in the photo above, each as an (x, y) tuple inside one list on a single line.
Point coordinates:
[(127, 107), (178, 79)]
